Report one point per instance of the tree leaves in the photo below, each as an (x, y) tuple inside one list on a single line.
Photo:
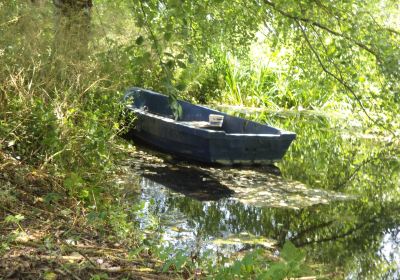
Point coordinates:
[(167, 36), (352, 55), (139, 40)]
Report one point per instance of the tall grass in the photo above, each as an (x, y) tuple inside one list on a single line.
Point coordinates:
[(264, 80), (60, 110), (59, 98)]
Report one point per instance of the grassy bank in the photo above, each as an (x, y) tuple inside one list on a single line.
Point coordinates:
[(65, 201), (60, 209)]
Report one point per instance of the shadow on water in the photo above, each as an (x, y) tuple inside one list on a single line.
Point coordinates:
[(189, 181), (256, 186)]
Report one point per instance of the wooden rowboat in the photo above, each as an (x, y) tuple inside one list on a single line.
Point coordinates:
[(203, 134)]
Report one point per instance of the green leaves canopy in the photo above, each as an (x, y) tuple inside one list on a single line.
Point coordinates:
[(349, 47)]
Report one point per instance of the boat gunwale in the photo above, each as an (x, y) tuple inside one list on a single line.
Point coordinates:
[(207, 130)]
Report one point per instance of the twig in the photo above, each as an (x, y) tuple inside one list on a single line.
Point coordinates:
[(51, 157), (392, 30), (60, 271), (72, 248)]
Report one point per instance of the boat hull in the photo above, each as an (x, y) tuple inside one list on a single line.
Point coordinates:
[(239, 141)]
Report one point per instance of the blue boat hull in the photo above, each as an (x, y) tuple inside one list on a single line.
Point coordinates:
[(239, 141)]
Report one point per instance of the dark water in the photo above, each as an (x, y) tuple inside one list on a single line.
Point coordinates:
[(336, 195)]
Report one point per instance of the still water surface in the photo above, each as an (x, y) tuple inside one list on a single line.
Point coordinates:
[(336, 195)]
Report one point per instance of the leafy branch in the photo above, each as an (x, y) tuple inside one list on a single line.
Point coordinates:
[(148, 28), (339, 78), (166, 71), (323, 27)]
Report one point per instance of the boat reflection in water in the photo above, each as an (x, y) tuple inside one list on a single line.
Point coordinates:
[(218, 211), (189, 181)]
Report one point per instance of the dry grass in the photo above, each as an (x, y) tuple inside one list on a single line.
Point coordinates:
[(54, 238)]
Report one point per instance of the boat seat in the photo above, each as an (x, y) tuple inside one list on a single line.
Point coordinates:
[(201, 124)]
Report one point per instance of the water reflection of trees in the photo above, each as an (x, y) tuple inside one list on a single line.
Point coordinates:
[(343, 234), (348, 234)]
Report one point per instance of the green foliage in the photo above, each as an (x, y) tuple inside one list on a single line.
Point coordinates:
[(173, 53), (99, 276), (60, 101), (14, 219), (286, 54), (5, 242), (177, 262), (60, 106), (254, 266), (293, 264), (58, 111), (52, 198)]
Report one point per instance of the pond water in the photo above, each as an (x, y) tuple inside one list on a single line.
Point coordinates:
[(335, 194)]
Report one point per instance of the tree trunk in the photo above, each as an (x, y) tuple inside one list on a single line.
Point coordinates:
[(72, 27)]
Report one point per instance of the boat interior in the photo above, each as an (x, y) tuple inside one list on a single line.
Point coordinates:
[(199, 116)]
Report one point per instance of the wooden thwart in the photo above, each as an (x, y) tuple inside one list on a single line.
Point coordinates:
[(201, 124)]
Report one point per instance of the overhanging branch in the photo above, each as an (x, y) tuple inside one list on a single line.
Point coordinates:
[(323, 27), (339, 79)]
